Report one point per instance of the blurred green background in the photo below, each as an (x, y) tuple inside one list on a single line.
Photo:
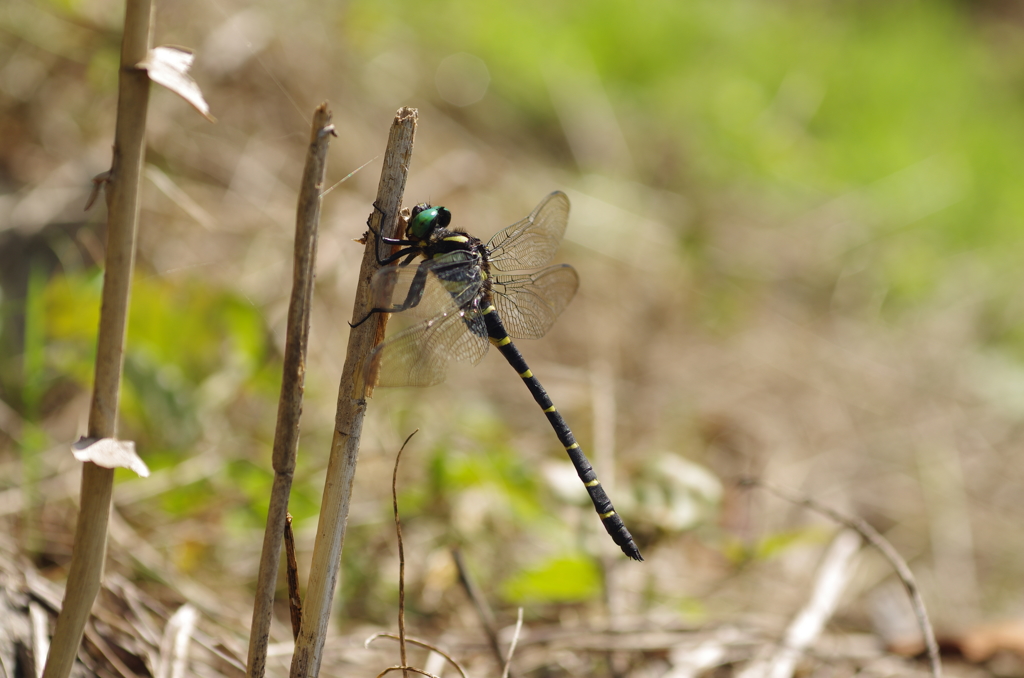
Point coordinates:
[(798, 228)]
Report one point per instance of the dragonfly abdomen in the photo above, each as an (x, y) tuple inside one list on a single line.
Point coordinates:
[(602, 504)]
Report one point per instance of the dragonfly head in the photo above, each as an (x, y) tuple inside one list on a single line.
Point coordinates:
[(425, 219)]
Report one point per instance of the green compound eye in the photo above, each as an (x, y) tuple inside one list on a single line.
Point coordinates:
[(425, 219)]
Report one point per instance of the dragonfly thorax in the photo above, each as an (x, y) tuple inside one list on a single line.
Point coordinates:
[(428, 225)]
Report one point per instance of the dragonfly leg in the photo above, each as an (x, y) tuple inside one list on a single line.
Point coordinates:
[(408, 252), (412, 298), (408, 245)]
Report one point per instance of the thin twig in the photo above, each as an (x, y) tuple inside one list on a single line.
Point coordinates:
[(888, 551), (89, 554), (348, 176), (292, 568), (833, 575), (512, 645), (108, 653), (418, 643), (40, 636), (483, 610), (348, 423), (289, 409), (174, 646), (403, 669), (401, 551)]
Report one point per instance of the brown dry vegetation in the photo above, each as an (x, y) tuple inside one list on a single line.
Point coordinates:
[(719, 333)]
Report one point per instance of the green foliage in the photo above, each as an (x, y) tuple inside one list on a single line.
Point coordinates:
[(33, 361), (189, 349), (562, 579), (494, 468), (103, 66), (906, 110), (253, 482), (773, 545), (486, 489)]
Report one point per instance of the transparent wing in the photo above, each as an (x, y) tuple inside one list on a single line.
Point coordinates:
[(532, 242), (528, 305), (452, 279), (449, 328), (419, 356)]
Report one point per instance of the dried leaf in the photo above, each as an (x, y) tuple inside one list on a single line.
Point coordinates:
[(174, 647), (99, 182), (168, 66), (110, 453), (980, 643)]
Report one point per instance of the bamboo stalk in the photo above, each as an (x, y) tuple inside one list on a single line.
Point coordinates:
[(352, 393), (123, 187), (286, 436)]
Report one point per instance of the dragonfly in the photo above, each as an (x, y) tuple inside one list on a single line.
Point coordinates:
[(466, 296)]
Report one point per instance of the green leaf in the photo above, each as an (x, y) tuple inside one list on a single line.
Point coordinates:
[(563, 579)]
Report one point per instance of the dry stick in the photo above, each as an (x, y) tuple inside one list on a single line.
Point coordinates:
[(348, 425), (286, 435), (418, 643), (174, 646), (483, 610), (403, 669), (401, 552), (40, 622), (292, 568), (507, 671), (833, 575), (872, 536), (123, 188), (8, 673), (108, 653)]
